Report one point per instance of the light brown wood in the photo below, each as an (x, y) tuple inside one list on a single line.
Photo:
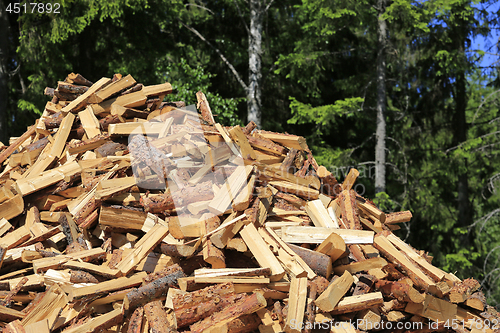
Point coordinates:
[(319, 215), (333, 246), (301, 191), (81, 101), (47, 178), (433, 308), (12, 207), (350, 179), (98, 323), (358, 303), (43, 264), (315, 235), (19, 141), (329, 299), (241, 140), (360, 266), (122, 218), (392, 254), (107, 286), (297, 303), (112, 89), (285, 255), (135, 99), (230, 190), (371, 211), (287, 140), (261, 251), (398, 217), (434, 272), (142, 248)]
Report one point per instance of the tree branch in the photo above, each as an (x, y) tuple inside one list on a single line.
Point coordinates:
[(241, 16), (221, 55), (268, 5)]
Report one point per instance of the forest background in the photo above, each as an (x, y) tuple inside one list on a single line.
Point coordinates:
[(407, 92)]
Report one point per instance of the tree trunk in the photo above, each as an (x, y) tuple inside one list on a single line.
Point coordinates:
[(4, 75), (255, 62), (381, 100), (460, 128)]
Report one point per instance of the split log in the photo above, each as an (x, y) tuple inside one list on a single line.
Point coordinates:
[(329, 299), (246, 305), (319, 215), (333, 246), (320, 263), (360, 266), (99, 323), (315, 235), (398, 217), (190, 299), (296, 304), (199, 311), (358, 303), (476, 301), (212, 254), (78, 79), (135, 322), (107, 286), (152, 290), (261, 251), (462, 290), (401, 291), (347, 199), (350, 179), (157, 318), (310, 313)]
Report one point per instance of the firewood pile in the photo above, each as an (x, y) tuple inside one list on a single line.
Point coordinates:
[(123, 213)]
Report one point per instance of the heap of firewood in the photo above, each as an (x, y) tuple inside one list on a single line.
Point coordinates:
[(120, 212)]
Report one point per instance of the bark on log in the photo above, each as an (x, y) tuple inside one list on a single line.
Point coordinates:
[(191, 315), (244, 324), (108, 120), (294, 200), (82, 277), (310, 310), (6, 301), (157, 318), (151, 291), (69, 88), (320, 263), (347, 199), (246, 305), (199, 296), (249, 128), (78, 79), (289, 160), (6, 153), (161, 203), (135, 322), (401, 291)]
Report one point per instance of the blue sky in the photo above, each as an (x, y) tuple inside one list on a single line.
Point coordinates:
[(490, 43)]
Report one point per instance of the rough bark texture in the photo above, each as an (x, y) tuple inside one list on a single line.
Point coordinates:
[(151, 291), (254, 61), (135, 323), (191, 299), (157, 318), (381, 100), (246, 305), (191, 315), (320, 263)]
